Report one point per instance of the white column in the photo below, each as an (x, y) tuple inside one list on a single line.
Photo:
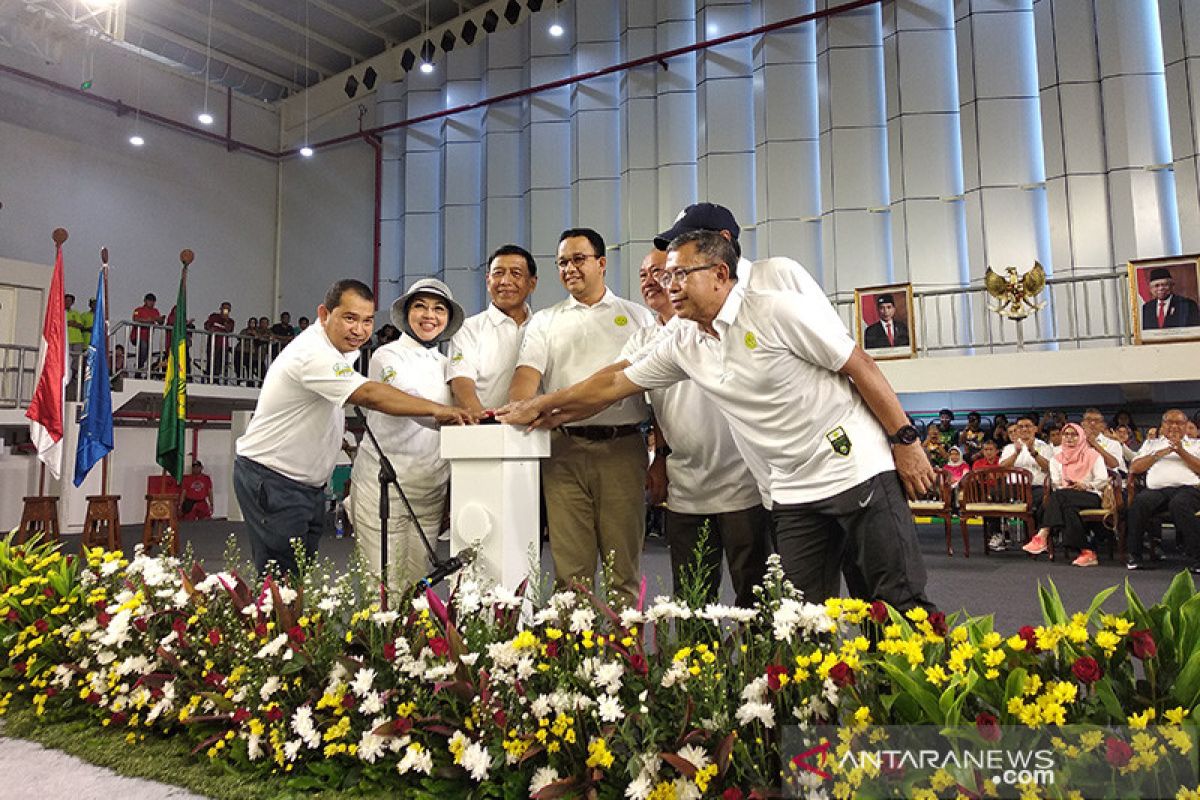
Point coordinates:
[(639, 133), (787, 147), (854, 159), (424, 181), (1136, 132), (390, 106), (506, 142), (1179, 22), (678, 180), (463, 168), (596, 132), (725, 102), (550, 206)]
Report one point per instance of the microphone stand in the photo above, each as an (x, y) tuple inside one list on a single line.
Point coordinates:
[(387, 477)]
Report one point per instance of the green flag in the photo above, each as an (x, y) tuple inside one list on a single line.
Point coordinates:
[(172, 422)]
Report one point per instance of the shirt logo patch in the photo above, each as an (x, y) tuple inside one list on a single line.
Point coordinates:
[(839, 441), (457, 357), (621, 320), (388, 374), (751, 340), (342, 370)]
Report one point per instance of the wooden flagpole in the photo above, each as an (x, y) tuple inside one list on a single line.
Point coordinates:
[(107, 360)]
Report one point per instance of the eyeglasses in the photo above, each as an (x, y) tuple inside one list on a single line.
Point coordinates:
[(577, 260), (671, 276)]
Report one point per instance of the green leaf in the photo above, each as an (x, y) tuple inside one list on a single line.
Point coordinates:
[(1109, 700), (920, 694), (1098, 601), (1186, 689), (1181, 590), (1013, 687), (1052, 608), (1136, 611)]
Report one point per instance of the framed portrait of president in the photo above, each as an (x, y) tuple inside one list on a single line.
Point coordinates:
[(883, 317), (1164, 297)]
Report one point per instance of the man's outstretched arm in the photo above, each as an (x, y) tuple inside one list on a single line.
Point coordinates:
[(586, 398)]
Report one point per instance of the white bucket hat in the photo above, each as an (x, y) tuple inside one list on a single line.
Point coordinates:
[(434, 287)]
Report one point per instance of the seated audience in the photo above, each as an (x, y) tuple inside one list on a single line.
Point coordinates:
[(1077, 477), (1000, 432), (1124, 437), (934, 448), (197, 490), (970, 438), (1192, 430), (989, 456), (1108, 448), (1053, 435), (1171, 465), (956, 467), (1028, 452), (1123, 417), (946, 423)]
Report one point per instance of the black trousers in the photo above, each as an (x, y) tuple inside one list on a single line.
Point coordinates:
[(278, 510), (1062, 511), (1182, 501), (872, 527), (744, 537)]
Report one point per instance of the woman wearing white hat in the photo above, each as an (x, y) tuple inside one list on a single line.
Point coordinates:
[(426, 315)]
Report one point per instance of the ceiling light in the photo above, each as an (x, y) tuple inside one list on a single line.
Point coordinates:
[(205, 118), (426, 67), (136, 141), (556, 30), (306, 151)]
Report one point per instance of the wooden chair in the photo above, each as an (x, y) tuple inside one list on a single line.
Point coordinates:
[(1110, 521), (996, 492), (937, 503)]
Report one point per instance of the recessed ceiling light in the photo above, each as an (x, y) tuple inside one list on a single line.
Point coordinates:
[(306, 151), (136, 141), (556, 30), (426, 67), (205, 118)]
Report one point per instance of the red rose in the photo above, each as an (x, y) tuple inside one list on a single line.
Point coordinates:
[(732, 793), (51, 691), (937, 621), (19, 667), (879, 612), (214, 637), (773, 673), (119, 718), (214, 679), (102, 619), (241, 715), (348, 700), (41, 626), (439, 646), (841, 674), (1142, 644), (48, 592), (988, 726), (11, 616), (92, 698), (404, 725), (389, 651), (638, 662), (260, 630), (296, 634), (552, 650), (139, 624), (273, 714), (1117, 752), (1030, 636), (1087, 670), (500, 718), (179, 626)]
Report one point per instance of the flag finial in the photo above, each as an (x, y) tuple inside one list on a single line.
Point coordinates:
[(103, 255), (60, 235), (187, 257)]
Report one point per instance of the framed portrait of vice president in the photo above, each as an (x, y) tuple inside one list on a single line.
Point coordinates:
[(1164, 297), (883, 317)]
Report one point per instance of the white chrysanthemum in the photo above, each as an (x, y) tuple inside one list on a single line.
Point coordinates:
[(715, 612), (686, 790), (608, 675), (631, 617), (503, 597), (371, 747), (793, 615), (385, 617), (665, 608), (582, 619), (477, 761), (469, 658), (541, 779), (270, 686), (272, 648), (117, 632), (756, 690), (372, 703), (302, 726), (416, 759), (609, 709), (420, 603), (639, 788), (109, 567), (328, 604), (363, 680), (287, 594), (676, 673), (292, 749), (694, 755), (254, 747), (762, 712), (540, 708)]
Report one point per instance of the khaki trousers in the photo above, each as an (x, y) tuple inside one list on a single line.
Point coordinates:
[(407, 560), (596, 505)]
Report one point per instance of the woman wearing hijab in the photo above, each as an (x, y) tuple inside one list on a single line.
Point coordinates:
[(1078, 476), (426, 315)]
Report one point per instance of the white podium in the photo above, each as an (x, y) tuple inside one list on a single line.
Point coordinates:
[(494, 505)]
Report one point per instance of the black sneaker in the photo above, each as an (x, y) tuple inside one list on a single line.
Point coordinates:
[(1133, 564)]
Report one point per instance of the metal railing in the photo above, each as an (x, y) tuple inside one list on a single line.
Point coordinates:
[(18, 375), (140, 351), (1079, 311)]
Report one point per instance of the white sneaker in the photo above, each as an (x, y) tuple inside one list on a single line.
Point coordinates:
[(996, 542)]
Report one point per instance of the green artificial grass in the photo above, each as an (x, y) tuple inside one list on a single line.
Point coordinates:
[(156, 758)]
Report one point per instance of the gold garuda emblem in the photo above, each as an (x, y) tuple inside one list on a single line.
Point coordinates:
[(1016, 292)]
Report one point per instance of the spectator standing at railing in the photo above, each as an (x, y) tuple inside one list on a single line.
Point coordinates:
[(219, 322), (79, 331), (244, 350), (144, 316), (302, 325), (283, 331), (263, 348)]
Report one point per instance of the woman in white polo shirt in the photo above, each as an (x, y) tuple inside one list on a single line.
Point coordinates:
[(426, 315)]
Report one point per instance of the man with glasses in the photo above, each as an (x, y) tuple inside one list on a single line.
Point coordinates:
[(594, 480), (697, 469), (803, 398), (483, 354), (1171, 463), (1094, 426)]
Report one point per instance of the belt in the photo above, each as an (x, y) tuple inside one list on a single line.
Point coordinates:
[(599, 433)]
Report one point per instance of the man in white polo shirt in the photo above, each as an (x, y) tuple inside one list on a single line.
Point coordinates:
[(1171, 463), (483, 354), (594, 480), (1110, 450), (781, 372), (698, 461), (287, 454)]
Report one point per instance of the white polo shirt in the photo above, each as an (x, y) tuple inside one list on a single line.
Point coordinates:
[(485, 350), (412, 443), (705, 471), (1113, 448), (570, 341), (298, 423), (1170, 470), (1027, 461), (773, 374)]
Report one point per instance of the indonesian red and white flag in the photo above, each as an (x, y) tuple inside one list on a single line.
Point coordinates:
[(46, 411)]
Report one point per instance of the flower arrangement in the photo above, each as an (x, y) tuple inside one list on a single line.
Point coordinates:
[(494, 693)]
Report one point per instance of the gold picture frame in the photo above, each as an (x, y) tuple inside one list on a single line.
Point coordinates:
[(870, 332), (1177, 317)]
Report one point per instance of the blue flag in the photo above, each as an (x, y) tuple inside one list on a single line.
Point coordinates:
[(96, 423)]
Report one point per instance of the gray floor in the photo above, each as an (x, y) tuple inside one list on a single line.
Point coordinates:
[(1002, 584), (31, 772)]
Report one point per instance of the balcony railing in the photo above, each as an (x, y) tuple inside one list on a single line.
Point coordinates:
[(18, 374)]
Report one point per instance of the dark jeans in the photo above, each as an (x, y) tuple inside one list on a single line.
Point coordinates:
[(872, 526), (1062, 511), (743, 536), (1182, 501), (277, 510)]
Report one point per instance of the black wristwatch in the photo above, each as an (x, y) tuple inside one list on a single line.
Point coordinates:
[(906, 435), (662, 451)]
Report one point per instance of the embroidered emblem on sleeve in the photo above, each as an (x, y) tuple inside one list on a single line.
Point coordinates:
[(388, 374), (457, 357), (342, 370), (839, 441)]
